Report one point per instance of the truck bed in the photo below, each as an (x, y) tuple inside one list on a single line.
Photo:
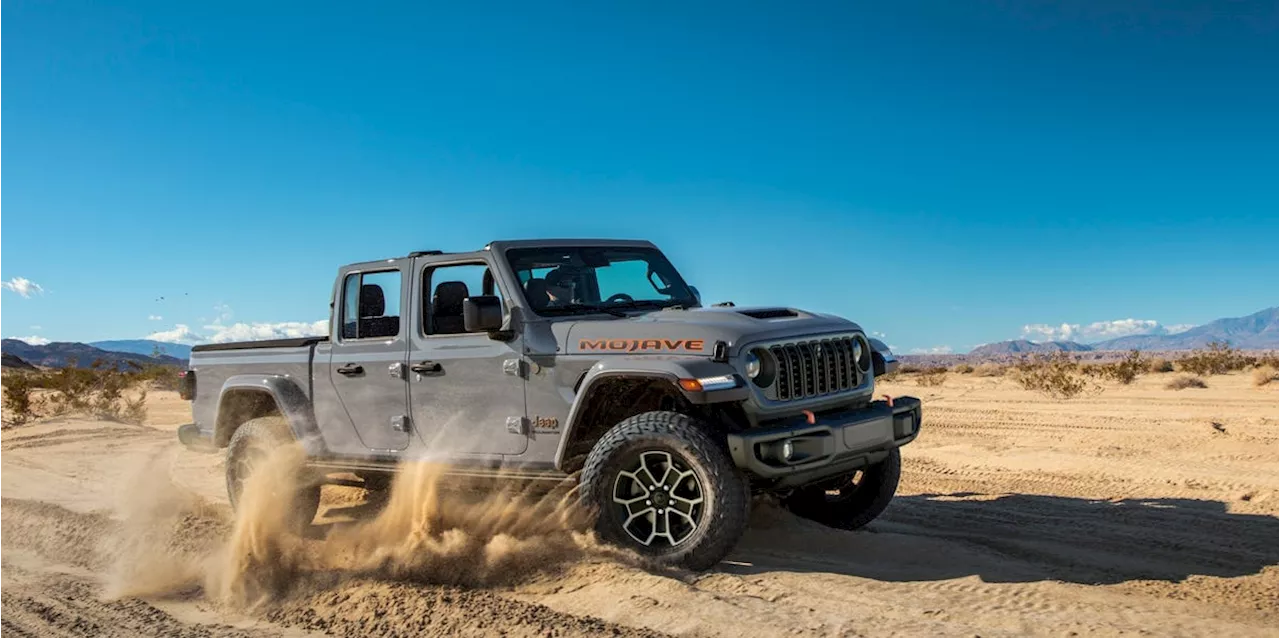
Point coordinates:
[(257, 366)]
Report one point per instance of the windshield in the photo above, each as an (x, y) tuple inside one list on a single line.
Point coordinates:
[(585, 279)]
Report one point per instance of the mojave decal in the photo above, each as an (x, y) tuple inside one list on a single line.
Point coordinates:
[(642, 345)]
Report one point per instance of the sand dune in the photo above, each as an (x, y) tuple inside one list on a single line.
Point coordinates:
[(1125, 512)]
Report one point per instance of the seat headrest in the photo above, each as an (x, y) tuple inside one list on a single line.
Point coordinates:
[(536, 291), (563, 276), (372, 302), (449, 297)]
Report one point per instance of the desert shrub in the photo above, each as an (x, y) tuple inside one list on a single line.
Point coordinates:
[(932, 377), (907, 368), (1263, 376), (989, 370), (1093, 370), (1185, 381), (1159, 365), (19, 404), (962, 368), (1055, 375), (160, 377), (134, 410), (1268, 360), (1218, 357), (97, 390), (1126, 369)]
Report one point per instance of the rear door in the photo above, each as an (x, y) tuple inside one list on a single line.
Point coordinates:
[(466, 390), (367, 359)]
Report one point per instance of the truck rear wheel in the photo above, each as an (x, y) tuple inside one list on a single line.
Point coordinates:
[(661, 486), (249, 448), (853, 501)]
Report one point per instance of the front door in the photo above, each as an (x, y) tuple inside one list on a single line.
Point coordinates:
[(367, 362), (466, 392)]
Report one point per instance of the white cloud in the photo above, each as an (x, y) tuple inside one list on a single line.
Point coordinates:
[(32, 340), (23, 286), (219, 331), (181, 333), (1099, 330), (933, 350), (254, 331), (155, 318), (878, 335)]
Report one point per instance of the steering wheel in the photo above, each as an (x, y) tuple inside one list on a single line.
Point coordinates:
[(622, 296)]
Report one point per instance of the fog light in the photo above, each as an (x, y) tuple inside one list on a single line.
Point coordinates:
[(788, 450)]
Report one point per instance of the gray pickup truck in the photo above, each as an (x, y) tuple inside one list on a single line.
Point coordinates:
[(563, 360)]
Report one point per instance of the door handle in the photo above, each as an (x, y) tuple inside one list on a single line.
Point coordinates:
[(350, 368), (427, 367)]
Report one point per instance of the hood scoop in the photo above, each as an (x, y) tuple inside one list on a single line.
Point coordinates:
[(769, 313)]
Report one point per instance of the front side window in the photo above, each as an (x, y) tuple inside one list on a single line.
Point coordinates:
[(371, 305), (584, 279), (444, 291)]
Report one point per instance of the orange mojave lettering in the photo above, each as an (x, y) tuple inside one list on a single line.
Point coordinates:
[(641, 345)]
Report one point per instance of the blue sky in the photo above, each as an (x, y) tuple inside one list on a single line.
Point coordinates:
[(945, 173)]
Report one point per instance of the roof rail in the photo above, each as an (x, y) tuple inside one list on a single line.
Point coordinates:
[(421, 253)]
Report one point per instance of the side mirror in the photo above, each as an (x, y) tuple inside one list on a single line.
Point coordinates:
[(482, 313), (696, 295)]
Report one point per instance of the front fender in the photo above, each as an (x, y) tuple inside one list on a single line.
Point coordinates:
[(671, 369), (289, 398)]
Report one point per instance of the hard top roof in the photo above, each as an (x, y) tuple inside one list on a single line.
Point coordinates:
[(504, 244)]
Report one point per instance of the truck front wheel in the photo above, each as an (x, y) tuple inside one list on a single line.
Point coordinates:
[(853, 501), (247, 453), (661, 486)]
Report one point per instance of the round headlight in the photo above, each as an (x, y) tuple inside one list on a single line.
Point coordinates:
[(752, 365), (857, 350)]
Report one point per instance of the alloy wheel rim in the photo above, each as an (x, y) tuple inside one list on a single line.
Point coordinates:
[(659, 498)]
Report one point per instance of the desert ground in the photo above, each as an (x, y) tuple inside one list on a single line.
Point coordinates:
[(1138, 511)]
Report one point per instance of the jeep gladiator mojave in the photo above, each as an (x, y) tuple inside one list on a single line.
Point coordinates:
[(550, 359)]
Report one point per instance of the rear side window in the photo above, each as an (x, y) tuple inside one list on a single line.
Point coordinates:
[(371, 305)]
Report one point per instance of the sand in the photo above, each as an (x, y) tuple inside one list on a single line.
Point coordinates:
[(1128, 512)]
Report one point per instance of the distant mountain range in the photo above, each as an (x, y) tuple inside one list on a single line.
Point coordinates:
[(1258, 331), (60, 354), (9, 360), (1022, 346), (145, 346)]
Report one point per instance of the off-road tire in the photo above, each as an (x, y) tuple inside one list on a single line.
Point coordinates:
[(858, 505), (252, 441), (725, 491)]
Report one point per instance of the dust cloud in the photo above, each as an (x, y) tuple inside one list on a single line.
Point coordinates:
[(173, 543)]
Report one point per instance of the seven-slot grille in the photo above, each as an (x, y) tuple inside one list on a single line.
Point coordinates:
[(815, 368)]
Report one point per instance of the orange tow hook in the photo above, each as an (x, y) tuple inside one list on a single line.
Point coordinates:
[(809, 415), (889, 399)]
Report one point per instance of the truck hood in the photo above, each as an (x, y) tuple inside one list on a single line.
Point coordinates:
[(693, 331)]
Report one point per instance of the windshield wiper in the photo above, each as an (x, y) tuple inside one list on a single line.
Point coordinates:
[(651, 303), (582, 307)]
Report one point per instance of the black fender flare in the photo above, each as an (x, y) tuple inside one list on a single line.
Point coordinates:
[(664, 368)]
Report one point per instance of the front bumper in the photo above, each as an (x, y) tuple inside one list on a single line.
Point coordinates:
[(835, 443)]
